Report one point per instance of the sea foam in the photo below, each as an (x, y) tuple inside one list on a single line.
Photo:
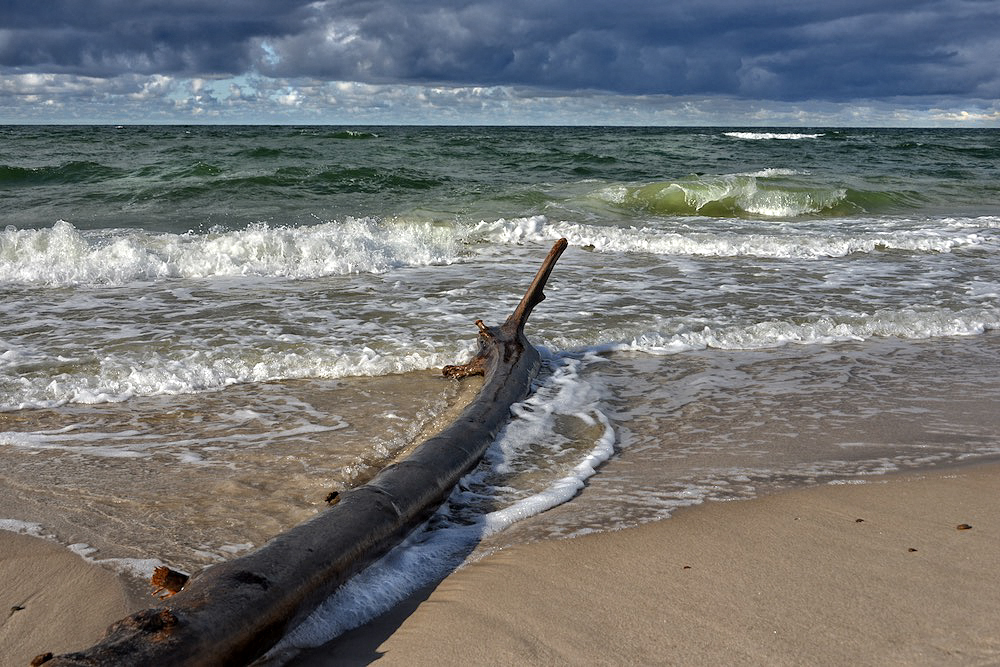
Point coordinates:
[(121, 376), (444, 543), (906, 323), (64, 255), (788, 244)]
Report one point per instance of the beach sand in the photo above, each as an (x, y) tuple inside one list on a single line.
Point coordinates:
[(52, 599), (874, 574), (864, 574)]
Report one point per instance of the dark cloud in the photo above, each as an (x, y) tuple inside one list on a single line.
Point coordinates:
[(110, 37), (778, 49)]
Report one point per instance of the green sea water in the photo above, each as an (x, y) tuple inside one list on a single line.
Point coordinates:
[(179, 178)]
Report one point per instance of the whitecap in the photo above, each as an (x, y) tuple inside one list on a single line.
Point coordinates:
[(755, 136)]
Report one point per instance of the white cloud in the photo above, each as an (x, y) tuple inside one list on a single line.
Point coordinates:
[(51, 84), (58, 98), (966, 117), (290, 99), (156, 86)]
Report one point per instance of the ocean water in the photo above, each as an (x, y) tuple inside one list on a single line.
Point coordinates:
[(204, 330)]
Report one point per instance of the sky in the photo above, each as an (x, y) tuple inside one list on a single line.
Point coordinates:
[(919, 63)]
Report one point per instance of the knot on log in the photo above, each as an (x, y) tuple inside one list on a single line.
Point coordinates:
[(484, 330), (148, 621), (251, 578)]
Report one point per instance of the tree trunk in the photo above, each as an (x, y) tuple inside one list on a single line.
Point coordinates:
[(231, 613)]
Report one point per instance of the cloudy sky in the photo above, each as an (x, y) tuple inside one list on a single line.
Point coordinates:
[(655, 62)]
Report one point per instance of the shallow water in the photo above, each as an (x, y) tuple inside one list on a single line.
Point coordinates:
[(726, 426), (193, 479)]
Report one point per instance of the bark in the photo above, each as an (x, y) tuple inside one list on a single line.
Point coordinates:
[(231, 613)]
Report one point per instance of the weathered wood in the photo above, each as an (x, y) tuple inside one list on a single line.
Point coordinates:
[(233, 612)]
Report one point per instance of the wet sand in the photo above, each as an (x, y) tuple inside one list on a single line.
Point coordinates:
[(867, 574), (874, 573)]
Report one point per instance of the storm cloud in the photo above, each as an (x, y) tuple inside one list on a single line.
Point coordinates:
[(783, 50), (797, 49)]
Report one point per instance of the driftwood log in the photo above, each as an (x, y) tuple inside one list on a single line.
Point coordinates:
[(233, 612)]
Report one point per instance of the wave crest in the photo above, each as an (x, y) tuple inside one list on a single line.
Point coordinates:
[(63, 255), (729, 195), (78, 171)]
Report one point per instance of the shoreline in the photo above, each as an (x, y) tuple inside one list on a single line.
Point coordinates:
[(790, 578), (787, 578)]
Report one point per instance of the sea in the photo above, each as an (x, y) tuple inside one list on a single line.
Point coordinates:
[(204, 330)]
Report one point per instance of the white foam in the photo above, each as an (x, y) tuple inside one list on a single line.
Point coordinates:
[(431, 553), (146, 372), (755, 136), (23, 527), (978, 222), (909, 323), (138, 567), (141, 568), (82, 550), (789, 244), (773, 172), (64, 256)]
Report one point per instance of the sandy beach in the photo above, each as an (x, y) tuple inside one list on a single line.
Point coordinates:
[(866, 574), (882, 572), (52, 600)]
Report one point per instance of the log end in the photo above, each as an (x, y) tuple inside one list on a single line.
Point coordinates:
[(167, 582)]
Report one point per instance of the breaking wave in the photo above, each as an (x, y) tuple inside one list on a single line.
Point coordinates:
[(766, 193), (63, 255), (120, 376), (732, 195), (777, 243)]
